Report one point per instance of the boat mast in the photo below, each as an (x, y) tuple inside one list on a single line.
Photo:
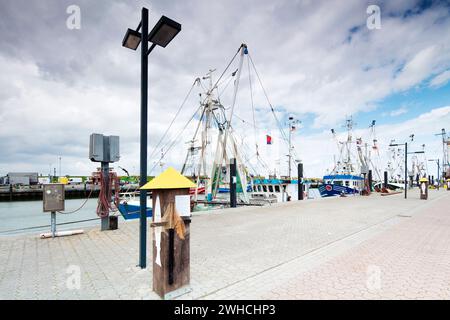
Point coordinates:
[(292, 122), (223, 135)]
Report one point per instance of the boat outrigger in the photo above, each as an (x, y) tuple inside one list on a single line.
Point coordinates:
[(346, 178), (208, 166)]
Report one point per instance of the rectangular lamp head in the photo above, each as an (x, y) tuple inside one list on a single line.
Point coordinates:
[(132, 39), (164, 31)]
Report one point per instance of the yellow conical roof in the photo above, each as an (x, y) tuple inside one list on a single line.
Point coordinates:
[(169, 179)]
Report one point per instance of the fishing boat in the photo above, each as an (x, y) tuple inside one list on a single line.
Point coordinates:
[(218, 139), (215, 143), (345, 178), (129, 205)]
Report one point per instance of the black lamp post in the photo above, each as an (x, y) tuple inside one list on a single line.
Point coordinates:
[(438, 168), (406, 164), (162, 33), (418, 176)]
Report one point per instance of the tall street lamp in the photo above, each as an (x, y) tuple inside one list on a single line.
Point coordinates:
[(415, 152), (406, 163), (60, 166), (438, 168), (161, 34)]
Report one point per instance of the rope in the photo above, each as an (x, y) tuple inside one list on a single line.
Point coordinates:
[(174, 118), (175, 140), (253, 108), (201, 104), (105, 195), (84, 203), (280, 127)]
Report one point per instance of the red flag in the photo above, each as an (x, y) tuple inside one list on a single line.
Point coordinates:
[(269, 139)]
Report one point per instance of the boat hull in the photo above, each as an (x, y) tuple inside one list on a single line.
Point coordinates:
[(330, 190), (132, 211)]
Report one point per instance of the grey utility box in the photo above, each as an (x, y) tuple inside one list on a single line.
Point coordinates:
[(53, 197), (104, 148)]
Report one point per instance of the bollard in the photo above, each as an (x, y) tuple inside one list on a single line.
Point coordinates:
[(448, 184), (385, 179), (171, 233), (423, 188), (233, 181), (370, 181), (300, 183)]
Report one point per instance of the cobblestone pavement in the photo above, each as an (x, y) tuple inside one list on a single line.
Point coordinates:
[(355, 247)]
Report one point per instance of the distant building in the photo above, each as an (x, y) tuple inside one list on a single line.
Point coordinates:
[(23, 178)]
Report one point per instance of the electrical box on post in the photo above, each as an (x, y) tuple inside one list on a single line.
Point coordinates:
[(96, 147), (53, 197), (104, 148), (114, 154)]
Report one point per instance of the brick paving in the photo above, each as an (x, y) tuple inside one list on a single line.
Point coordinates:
[(356, 247), (411, 260)]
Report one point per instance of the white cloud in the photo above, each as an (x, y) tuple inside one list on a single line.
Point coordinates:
[(51, 100), (440, 80), (317, 151), (398, 112)]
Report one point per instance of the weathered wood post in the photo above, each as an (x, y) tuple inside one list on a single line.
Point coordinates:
[(385, 179), (370, 181), (171, 234), (423, 188)]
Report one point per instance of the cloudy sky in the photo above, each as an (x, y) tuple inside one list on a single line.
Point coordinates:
[(318, 61)]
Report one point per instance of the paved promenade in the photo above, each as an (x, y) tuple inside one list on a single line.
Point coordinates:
[(342, 248)]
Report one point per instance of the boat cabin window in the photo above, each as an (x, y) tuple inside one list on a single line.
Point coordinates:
[(347, 183), (270, 188), (338, 183), (264, 188), (259, 187), (284, 188), (277, 188), (254, 188)]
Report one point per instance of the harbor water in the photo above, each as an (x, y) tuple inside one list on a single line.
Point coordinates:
[(25, 217), (19, 217)]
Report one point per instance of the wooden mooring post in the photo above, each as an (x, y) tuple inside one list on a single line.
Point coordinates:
[(171, 233)]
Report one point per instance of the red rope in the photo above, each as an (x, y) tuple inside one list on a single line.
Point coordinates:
[(106, 202)]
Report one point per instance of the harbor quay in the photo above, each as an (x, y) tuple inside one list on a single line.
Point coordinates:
[(355, 247)]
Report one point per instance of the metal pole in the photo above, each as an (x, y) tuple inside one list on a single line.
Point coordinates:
[(385, 179), (406, 170), (233, 198), (300, 178), (143, 151), (290, 134), (53, 224), (439, 179), (370, 181)]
